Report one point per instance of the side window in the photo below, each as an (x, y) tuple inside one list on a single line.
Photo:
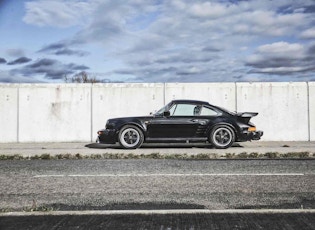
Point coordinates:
[(205, 111), (182, 110)]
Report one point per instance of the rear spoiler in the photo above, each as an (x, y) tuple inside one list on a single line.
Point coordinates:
[(247, 114)]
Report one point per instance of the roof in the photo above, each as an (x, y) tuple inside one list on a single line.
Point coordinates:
[(190, 101)]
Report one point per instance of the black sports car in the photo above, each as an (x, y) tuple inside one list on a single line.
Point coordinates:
[(182, 121)]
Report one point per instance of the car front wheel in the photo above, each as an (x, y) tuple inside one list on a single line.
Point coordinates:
[(130, 137), (222, 137)]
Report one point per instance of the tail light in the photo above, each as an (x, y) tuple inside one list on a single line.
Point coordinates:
[(252, 129)]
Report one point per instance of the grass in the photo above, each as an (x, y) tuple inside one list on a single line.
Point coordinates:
[(176, 156)]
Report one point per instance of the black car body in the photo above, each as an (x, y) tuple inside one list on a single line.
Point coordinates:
[(182, 121)]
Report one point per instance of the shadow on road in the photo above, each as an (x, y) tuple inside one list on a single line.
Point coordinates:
[(229, 221), (159, 146)]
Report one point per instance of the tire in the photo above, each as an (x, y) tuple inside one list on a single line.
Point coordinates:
[(130, 137), (222, 137)]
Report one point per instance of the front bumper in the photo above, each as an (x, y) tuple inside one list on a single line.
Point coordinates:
[(107, 136)]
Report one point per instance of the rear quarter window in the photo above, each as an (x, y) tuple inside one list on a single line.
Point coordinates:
[(206, 111)]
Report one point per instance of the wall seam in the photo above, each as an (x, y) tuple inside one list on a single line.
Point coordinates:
[(18, 115), (236, 107), (308, 112), (91, 101)]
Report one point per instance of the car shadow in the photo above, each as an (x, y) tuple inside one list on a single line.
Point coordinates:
[(159, 146)]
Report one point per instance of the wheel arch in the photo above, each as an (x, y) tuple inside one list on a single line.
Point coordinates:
[(222, 123), (133, 123)]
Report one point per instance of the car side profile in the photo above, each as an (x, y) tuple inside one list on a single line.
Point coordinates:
[(182, 121)]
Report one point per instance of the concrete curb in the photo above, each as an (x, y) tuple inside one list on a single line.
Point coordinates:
[(88, 149)]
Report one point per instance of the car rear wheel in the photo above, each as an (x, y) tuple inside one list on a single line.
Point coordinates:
[(130, 137), (222, 137)]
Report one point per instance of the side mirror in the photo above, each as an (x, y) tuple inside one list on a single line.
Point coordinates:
[(166, 114)]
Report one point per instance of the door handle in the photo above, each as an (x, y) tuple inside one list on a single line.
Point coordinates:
[(194, 120)]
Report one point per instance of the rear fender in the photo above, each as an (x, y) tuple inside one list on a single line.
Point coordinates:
[(222, 123)]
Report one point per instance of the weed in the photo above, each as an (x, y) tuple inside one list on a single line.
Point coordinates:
[(36, 157), (271, 155), (3, 210), (296, 155), (242, 155), (45, 156), (254, 155), (230, 155), (35, 208), (78, 156), (96, 156), (154, 156), (203, 156)]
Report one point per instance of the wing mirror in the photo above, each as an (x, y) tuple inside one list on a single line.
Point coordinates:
[(166, 114)]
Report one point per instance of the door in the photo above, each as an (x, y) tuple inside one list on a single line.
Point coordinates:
[(182, 122)]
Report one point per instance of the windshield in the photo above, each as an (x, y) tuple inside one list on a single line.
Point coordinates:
[(163, 109)]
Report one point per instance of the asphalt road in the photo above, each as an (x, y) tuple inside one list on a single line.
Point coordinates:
[(156, 184), (213, 194)]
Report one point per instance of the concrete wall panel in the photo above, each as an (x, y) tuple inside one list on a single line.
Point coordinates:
[(123, 99), (74, 112), (282, 107), (312, 110), (50, 112), (220, 94), (8, 113)]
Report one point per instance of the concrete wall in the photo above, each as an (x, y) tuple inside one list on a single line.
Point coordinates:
[(8, 113), (74, 112), (282, 107), (120, 100)]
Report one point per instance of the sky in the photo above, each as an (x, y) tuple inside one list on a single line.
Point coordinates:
[(44, 41)]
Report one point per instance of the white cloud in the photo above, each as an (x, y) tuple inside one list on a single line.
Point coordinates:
[(57, 13), (282, 49), (209, 9), (308, 34), (283, 58), (178, 39)]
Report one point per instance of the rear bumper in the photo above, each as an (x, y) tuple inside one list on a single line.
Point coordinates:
[(249, 136)]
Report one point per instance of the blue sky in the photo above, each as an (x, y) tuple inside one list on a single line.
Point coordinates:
[(157, 40)]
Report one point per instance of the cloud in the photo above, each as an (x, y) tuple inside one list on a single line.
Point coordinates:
[(2, 61), (57, 13), (20, 60), (8, 77), (282, 58), (210, 9), (177, 40), (62, 48), (15, 52), (50, 69), (309, 33)]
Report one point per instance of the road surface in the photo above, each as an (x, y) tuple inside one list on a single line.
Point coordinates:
[(156, 193)]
